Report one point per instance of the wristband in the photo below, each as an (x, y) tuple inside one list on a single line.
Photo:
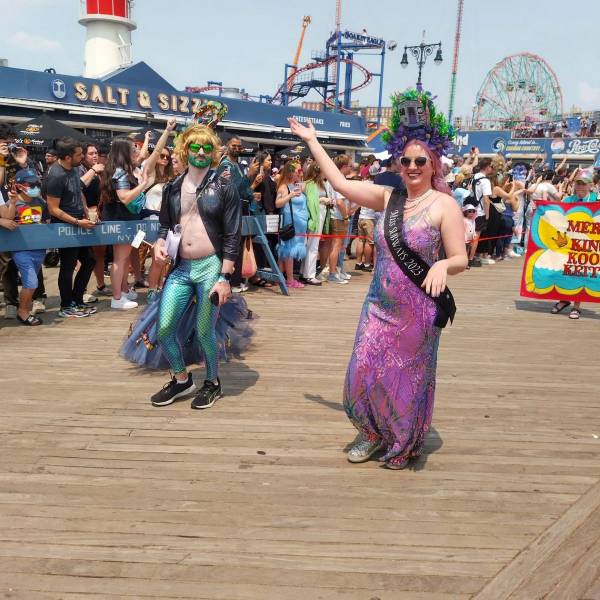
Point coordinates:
[(225, 277)]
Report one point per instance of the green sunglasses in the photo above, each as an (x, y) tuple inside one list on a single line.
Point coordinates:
[(195, 148)]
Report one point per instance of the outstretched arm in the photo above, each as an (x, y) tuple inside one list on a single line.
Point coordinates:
[(150, 165), (359, 192)]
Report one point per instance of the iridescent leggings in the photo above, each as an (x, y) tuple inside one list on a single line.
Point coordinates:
[(191, 277)]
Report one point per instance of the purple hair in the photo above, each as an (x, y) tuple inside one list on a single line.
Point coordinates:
[(438, 182)]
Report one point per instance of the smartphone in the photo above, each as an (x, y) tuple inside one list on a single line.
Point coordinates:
[(214, 298)]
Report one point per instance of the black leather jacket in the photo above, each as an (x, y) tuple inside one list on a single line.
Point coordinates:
[(219, 207)]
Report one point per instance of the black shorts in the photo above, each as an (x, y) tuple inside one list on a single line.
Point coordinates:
[(480, 224)]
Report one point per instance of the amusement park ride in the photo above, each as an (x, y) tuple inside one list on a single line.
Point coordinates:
[(324, 73), (334, 74), (521, 88)]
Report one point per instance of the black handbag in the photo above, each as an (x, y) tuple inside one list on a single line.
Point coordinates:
[(52, 258), (287, 232)]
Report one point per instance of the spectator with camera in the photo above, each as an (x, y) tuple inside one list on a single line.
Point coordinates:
[(12, 158)]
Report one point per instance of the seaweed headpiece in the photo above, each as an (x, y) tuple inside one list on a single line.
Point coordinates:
[(414, 117)]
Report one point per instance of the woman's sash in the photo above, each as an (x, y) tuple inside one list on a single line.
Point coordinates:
[(410, 263)]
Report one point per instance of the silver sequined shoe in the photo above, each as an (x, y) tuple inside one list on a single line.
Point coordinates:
[(362, 449)]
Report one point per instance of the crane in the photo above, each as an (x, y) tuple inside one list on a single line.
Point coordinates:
[(336, 65), (305, 23), (455, 63)]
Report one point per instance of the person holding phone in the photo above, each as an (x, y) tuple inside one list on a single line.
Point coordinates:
[(208, 209)]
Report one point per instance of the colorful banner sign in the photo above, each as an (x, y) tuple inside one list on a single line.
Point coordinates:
[(563, 253)]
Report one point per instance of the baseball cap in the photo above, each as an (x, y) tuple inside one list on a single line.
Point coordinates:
[(467, 207), (585, 175), (27, 176)]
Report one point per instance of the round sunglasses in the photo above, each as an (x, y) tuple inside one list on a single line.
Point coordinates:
[(420, 161), (195, 148)]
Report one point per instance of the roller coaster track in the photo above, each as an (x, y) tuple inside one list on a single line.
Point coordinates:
[(367, 77)]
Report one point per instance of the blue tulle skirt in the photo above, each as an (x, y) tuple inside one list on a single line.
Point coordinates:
[(233, 328)]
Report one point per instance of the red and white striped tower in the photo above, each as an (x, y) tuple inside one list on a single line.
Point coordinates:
[(108, 42)]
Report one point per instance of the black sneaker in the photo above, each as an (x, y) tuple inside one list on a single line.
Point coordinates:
[(359, 267), (368, 268), (209, 393), (173, 390), (476, 262)]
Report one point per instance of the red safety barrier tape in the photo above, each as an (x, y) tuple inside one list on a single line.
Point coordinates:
[(329, 236)]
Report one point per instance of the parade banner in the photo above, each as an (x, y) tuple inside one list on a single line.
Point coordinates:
[(563, 254)]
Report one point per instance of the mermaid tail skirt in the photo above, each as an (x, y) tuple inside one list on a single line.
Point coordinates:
[(233, 329)]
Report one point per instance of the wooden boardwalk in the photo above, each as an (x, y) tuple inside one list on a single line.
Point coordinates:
[(103, 496)]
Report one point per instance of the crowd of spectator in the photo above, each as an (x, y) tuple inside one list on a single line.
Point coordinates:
[(498, 198), (82, 184)]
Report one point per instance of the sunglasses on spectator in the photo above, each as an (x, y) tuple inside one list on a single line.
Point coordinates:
[(31, 185), (420, 161), (471, 210), (207, 148), (165, 156)]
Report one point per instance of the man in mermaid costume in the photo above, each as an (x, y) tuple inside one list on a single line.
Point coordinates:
[(200, 228)]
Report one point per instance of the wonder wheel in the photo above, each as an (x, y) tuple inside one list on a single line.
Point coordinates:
[(521, 88)]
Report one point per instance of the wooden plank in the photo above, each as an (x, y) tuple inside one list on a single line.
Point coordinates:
[(531, 558), (559, 568), (104, 496)]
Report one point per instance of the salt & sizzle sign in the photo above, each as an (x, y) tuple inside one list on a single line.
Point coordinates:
[(563, 253)]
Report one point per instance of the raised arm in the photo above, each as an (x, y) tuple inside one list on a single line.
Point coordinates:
[(150, 164), (359, 192)]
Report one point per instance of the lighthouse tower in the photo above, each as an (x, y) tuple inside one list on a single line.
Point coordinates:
[(108, 41)]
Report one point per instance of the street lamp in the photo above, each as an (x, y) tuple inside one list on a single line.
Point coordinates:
[(420, 53)]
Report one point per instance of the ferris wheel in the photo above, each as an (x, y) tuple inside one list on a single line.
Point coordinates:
[(522, 88)]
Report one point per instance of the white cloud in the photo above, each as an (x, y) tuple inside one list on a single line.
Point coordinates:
[(28, 41), (589, 96)]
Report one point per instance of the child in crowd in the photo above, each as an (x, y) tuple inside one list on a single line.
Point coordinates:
[(469, 215), (28, 207)]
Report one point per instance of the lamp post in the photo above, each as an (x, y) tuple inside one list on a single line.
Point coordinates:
[(420, 53)]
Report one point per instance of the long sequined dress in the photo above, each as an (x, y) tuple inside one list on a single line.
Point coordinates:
[(390, 383)]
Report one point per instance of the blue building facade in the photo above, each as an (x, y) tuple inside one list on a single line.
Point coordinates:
[(137, 96)]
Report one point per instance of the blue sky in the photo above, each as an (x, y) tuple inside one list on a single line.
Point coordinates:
[(245, 44)]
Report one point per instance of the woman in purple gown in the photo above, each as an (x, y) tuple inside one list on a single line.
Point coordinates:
[(390, 382)]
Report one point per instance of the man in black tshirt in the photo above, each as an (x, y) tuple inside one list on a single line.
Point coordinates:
[(66, 205)]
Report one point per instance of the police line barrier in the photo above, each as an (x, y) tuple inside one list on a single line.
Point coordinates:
[(61, 235)]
